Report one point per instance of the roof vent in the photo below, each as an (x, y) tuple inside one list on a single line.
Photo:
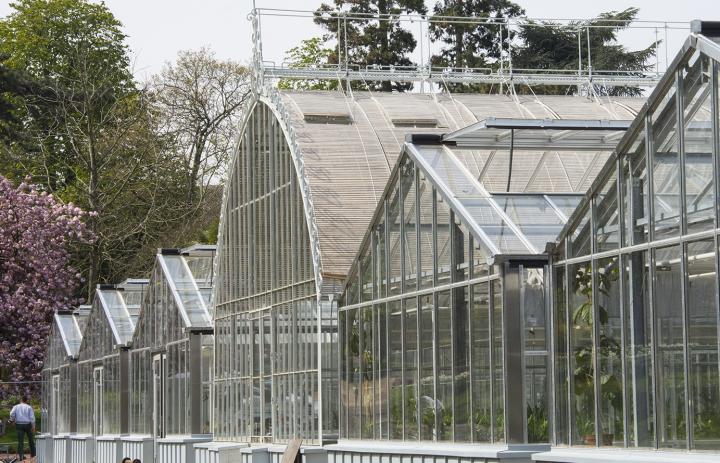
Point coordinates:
[(327, 118), (416, 122)]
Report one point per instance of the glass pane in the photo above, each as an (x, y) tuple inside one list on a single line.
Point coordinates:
[(380, 259), (581, 353), (579, 244), (410, 372), (498, 362), (461, 360), (566, 203), (481, 373), (427, 401), (607, 230), (394, 244), (534, 216), (367, 373), (395, 370), (366, 272), (426, 234), (444, 250), (634, 190), (444, 366), (638, 350), (353, 395), (535, 353), (607, 274), (666, 168), (461, 248), (561, 358), (703, 344), (493, 226), (699, 184), (410, 237), (671, 362)]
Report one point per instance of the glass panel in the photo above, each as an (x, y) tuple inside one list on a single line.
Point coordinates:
[(395, 369), (638, 351), (394, 243), (461, 249), (481, 373), (367, 373), (703, 344), (698, 139), (444, 371), (498, 362), (607, 230), (380, 259), (426, 234), (581, 354), (381, 338), (666, 168), (566, 203), (635, 191), (461, 360), (366, 272), (671, 362), (534, 216), (186, 291), (353, 395), (427, 401), (443, 227), (607, 298), (493, 225), (561, 357), (410, 365), (410, 237), (535, 353), (579, 243)]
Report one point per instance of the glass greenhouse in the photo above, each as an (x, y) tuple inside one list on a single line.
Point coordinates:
[(635, 303), (59, 375), (103, 359), (303, 186), (172, 346)]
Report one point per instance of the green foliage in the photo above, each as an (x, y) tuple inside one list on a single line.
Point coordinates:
[(370, 41), (557, 47), (310, 52), (537, 423), (467, 44)]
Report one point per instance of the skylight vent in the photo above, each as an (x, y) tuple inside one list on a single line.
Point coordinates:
[(328, 118), (416, 122)]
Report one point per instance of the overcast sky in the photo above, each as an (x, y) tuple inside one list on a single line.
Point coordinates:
[(158, 29)]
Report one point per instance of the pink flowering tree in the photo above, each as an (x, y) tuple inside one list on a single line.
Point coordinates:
[(36, 277)]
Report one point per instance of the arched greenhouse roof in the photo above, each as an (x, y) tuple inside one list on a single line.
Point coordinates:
[(349, 144)]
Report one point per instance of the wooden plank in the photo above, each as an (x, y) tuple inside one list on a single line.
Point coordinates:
[(292, 452)]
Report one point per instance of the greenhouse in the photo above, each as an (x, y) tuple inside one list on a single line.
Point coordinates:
[(172, 348), (303, 187), (59, 380), (103, 374), (635, 301)]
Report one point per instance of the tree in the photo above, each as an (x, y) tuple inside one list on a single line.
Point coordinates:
[(95, 137), (475, 43), (311, 52), (558, 47), (37, 232), (198, 101), (370, 41)]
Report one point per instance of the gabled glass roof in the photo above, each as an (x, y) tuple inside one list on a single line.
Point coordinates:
[(119, 303), (70, 332), (506, 223), (189, 276)]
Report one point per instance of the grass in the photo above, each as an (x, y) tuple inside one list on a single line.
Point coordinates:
[(10, 436)]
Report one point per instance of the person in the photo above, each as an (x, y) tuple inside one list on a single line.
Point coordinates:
[(126, 460), (137, 460), (23, 416)]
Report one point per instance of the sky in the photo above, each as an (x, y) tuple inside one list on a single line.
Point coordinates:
[(158, 29)]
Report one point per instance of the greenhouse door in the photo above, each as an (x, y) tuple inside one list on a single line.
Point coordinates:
[(98, 401), (55, 404), (158, 395)]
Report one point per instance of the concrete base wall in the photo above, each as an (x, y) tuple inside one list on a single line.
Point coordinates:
[(44, 444), (177, 449), (594, 455), (142, 447)]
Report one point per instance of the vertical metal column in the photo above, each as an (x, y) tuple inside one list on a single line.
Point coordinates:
[(124, 357), (195, 351)]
